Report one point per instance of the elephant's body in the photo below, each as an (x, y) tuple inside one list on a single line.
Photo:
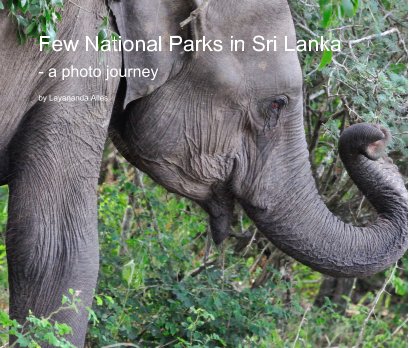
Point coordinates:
[(228, 127), (22, 65), (218, 128), (50, 155)]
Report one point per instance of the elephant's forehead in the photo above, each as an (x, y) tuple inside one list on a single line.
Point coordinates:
[(278, 72), (268, 62), (262, 73), (233, 13)]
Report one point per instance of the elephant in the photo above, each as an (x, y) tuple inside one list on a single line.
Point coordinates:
[(219, 128), (50, 154)]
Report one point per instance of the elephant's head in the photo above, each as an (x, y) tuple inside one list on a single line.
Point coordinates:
[(220, 127)]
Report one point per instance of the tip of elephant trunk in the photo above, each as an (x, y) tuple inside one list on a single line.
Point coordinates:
[(366, 139)]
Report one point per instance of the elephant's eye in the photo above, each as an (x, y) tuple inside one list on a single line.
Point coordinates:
[(279, 103), (270, 110)]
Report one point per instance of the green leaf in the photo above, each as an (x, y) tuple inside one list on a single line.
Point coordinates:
[(128, 272), (105, 22), (102, 37), (22, 38), (21, 21), (356, 5), (63, 329), (325, 59), (327, 15), (23, 341), (51, 32), (114, 36), (109, 299), (57, 3), (401, 286), (4, 319), (99, 300), (397, 68), (34, 9), (1, 5), (347, 8), (12, 8), (30, 28), (387, 4), (50, 338)]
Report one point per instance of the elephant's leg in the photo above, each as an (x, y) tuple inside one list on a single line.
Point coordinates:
[(52, 240)]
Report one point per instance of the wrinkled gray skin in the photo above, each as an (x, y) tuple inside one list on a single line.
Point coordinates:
[(50, 156), (214, 127), (228, 127)]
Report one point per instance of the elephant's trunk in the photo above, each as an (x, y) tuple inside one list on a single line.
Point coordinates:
[(299, 223)]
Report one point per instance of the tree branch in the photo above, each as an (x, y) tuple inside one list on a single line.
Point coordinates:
[(194, 14), (375, 302)]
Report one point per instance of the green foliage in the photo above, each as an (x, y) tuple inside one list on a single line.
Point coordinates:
[(365, 82), (153, 292), (334, 11), (3, 207), (326, 59), (36, 332), (152, 296), (3, 260), (105, 35), (34, 18)]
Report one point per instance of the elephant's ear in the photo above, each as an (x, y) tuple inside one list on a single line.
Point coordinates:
[(147, 20)]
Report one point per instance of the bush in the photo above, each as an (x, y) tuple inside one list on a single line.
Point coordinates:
[(154, 291)]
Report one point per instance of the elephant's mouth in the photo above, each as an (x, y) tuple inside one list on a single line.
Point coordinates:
[(220, 209)]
